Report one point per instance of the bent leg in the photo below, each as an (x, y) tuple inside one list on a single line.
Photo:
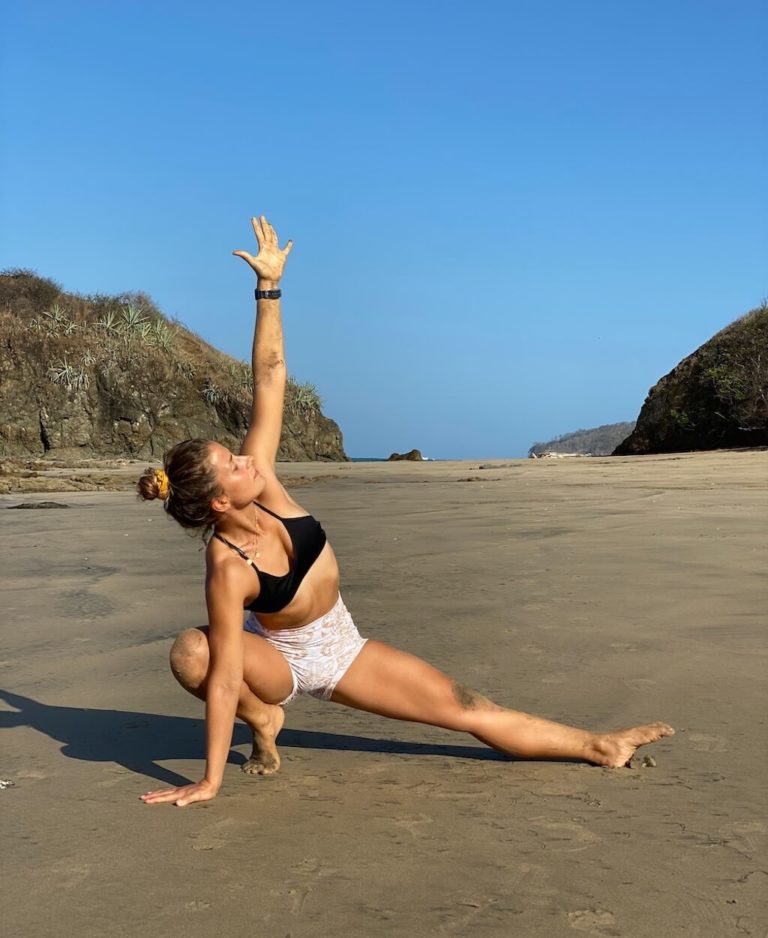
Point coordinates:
[(266, 680), (395, 684)]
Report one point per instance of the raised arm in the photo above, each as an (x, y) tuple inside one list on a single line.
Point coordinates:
[(269, 371)]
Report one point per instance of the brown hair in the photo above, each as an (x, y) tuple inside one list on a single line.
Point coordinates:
[(190, 488)]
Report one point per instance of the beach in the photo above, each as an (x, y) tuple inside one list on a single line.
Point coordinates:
[(601, 592)]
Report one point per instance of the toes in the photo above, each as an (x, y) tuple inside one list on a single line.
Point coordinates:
[(263, 765)]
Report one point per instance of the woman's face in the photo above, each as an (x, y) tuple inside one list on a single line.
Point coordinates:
[(238, 476)]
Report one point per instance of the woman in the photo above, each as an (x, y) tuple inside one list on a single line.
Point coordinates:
[(268, 556)]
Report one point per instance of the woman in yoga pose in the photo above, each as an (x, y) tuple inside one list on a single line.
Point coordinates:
[(266, 555)]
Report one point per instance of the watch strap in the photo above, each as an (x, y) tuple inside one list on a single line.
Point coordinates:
[(267, 294)]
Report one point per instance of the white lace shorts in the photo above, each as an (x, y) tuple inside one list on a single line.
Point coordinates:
[(319, 654)]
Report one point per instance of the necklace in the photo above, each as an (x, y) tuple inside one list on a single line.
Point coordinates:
[(253, 551), (251, 547)]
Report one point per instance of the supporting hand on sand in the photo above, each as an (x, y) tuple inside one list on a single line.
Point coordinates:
[(187, 794), (270, 260)]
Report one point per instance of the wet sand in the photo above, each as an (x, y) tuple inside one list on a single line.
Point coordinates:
[(602, 592)]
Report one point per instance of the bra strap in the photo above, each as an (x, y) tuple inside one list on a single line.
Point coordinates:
[(269, 511), (234, 547)]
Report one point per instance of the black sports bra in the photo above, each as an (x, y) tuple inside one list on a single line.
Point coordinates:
[(308, 539)]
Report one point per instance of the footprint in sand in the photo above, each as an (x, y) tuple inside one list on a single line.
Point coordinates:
[(70, 874), (196, 905), (565, 836), (530, 649), (640, 683), (702, 742), (463, 911), (557, 678), (533, 882), (117, 774), (594, 920), (749, 835), (214, 836), (412, 824)]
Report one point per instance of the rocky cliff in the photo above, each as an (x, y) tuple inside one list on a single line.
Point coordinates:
[(112, 376), (716, 398)]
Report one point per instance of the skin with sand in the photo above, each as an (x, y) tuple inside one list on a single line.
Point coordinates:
[(241, 674)]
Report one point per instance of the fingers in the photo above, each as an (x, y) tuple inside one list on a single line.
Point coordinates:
[(187, 794), (267, 238), (263, 227), (269, 231), (268, 235), (179, 796), (162, 796), (258, 231)]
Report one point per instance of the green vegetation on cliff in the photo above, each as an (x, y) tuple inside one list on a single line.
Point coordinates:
[(112, 376)]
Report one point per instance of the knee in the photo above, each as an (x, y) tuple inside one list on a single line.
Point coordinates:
[(189, 658)]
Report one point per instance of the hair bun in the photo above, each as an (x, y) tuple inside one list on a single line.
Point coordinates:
[(154, 483)]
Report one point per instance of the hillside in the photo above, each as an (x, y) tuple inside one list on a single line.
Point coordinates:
[(111, 376), (600, 441), (716, 398)]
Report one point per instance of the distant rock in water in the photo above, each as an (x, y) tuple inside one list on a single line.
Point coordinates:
[(716, 398), (414, 456), (112, 376), (601, 441)]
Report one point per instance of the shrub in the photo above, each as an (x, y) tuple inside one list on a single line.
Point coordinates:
[(109, 323), (133, 318), (212, 393), (70, 376), (302, 399)]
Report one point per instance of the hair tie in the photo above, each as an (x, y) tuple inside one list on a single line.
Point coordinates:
[(163, 483)]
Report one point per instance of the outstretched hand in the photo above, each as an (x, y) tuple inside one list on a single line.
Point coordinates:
[(187, 794), (269, 262)]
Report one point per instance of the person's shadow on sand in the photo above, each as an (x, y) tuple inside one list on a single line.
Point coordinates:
[(137, 741)]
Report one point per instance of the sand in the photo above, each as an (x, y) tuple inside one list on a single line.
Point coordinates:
[(602, 592)]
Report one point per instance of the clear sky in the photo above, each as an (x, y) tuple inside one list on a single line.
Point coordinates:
[(511, 218)]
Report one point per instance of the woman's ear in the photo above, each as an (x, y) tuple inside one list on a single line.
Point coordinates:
[(221, 503)]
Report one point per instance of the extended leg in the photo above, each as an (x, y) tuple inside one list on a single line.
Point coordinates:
[(266, 675), (395, 684)]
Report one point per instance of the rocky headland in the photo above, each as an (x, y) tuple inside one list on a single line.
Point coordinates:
[(85, 377), (715, 398), (599, 441)]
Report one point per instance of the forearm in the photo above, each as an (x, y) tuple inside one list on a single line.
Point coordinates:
[(268, 345), (220, 709)]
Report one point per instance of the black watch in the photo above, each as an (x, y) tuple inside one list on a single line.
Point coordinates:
[(267, 294)]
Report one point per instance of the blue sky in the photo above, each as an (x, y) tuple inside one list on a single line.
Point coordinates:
[(511, 218)]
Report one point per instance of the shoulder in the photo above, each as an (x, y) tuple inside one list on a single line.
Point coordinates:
[(224, 579)]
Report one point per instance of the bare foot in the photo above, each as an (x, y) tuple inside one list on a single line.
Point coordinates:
[(616, 749), (265, 759)]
